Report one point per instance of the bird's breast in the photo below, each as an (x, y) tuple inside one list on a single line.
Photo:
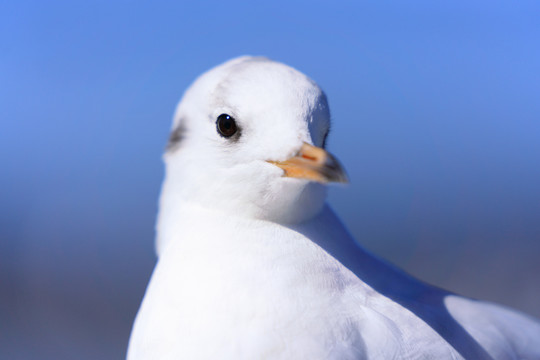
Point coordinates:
[(249, 287), (242, 281)]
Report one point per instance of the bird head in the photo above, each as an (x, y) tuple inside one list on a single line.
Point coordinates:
[(248, 139)]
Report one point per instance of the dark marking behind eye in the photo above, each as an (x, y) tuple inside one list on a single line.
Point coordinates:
[(176, 137)]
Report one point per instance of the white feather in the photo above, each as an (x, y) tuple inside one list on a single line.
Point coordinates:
[(253, 265)]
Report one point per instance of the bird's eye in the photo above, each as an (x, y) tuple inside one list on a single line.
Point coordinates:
[(226, 125)]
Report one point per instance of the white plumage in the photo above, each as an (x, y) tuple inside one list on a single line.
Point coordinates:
[(253, 264)]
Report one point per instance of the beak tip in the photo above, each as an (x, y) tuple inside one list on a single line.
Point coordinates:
[(334, 170), (339, 178)]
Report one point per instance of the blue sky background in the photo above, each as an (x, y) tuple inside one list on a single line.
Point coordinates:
[(436, 112)]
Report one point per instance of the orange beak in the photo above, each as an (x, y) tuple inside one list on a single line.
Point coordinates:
[(314, 164)]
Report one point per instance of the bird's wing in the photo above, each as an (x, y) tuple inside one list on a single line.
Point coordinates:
[(502, 332)]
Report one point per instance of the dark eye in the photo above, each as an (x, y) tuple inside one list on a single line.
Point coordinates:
[(226, 125)]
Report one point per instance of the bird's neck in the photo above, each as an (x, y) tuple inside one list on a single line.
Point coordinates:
[(178, 213), (281, 202)]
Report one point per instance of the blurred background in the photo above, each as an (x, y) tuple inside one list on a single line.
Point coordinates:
[(436, 114)]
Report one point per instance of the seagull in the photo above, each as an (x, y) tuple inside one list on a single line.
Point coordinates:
[(252, 262)]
